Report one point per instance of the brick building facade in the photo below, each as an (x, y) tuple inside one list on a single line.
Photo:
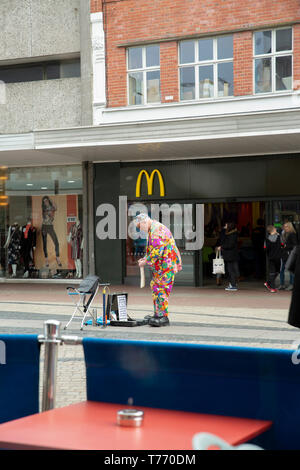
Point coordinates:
[(130, 23)]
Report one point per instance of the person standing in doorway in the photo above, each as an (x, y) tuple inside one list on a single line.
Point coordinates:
[(289, 240), (163, 257), (274, 252), (229, 251)]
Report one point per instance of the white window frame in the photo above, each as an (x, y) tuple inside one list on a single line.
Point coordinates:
[(272, 55), (196, 64), (144, 71)]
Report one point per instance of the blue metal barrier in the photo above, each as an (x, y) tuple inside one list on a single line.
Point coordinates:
[(233, 381), (19, 376)]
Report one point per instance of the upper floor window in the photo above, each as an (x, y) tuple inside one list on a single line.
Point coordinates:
[(206, 68), (30, 72), (143, 66), (273, 56)]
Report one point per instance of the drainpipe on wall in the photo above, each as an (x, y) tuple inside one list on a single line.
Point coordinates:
[(88, 218), (99, 67)]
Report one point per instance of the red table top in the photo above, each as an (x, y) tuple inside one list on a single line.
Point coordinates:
[(93, 426)]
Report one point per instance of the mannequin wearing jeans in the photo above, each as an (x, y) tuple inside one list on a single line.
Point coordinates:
[(48, 210)]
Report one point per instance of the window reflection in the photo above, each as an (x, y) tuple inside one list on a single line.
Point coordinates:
[(136, 88), (205, 49), (144, 84), (187, 83), (225, 79), (263, 79), (262, 42), (40, 71), (274, 71), (284, 40), (284, 73), (206, 81), (152, 56), (225, 47), (212, 75), (153, 87), (135, 59), (187, 52)]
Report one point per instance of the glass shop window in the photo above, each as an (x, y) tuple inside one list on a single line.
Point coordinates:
[(41, 222)]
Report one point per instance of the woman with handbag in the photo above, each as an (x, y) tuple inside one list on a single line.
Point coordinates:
[(293, 265), (217, 253), (229, 250)]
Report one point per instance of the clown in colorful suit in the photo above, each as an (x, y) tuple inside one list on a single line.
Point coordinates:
[(164, 260)]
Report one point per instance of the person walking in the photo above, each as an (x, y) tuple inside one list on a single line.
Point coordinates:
[(274, 252), (163, 257), (294, 309), (229, 251), (218, 243), (289, 240)]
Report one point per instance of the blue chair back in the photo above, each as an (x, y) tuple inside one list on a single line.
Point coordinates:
[(233, 381), (19, 376)]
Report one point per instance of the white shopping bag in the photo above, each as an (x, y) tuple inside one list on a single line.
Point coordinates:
[(218, 264), (142, 273)]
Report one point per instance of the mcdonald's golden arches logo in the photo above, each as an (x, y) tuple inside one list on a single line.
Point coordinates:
[(149, 180)]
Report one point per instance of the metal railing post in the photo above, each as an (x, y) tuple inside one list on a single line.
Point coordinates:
[(51, 340)]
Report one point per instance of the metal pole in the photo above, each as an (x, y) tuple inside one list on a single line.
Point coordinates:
[(52, 340)]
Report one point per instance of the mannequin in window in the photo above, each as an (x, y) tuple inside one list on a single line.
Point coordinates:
[(13, 245), (28, 244), (48, 212), (75, 238)]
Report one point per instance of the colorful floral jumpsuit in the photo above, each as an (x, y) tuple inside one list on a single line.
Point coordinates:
[(163, 257)]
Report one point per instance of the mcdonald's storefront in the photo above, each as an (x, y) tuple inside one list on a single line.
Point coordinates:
[(239, 189)]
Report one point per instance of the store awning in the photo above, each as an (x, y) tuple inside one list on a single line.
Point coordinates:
[(245, 134)]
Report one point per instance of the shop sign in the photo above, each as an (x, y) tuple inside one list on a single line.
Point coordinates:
[(150, 180)]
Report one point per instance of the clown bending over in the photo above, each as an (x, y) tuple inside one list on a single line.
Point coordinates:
[(163, 257)]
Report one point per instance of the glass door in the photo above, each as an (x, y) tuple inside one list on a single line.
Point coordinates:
[(172, 216)]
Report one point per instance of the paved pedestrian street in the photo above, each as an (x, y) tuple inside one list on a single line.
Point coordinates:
[(251, 317)]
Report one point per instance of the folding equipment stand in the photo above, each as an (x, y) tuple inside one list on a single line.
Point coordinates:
[(89, 286)]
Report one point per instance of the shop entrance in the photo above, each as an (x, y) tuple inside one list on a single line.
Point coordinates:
[(136, 248), (250, 219)]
